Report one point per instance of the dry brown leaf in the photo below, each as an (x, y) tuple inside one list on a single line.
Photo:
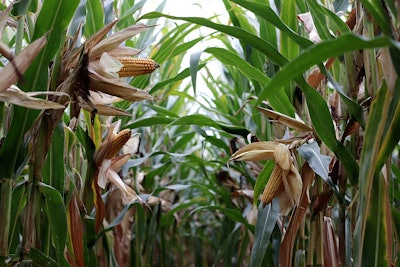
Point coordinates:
[(76, 230), (286, 248), (309, 26), (386, 65), (285, 120), (247, 193), (10, 74), (116, 87), (105, 110), (26, 99), (331, 249), (115, 40)]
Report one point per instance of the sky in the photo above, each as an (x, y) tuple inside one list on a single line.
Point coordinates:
[(198, 8)]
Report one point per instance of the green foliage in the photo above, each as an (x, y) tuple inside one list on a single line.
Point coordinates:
[(172, 196)]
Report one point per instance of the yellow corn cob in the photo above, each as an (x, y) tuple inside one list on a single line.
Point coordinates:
[(136, 66), (118, 142), (273, 187)]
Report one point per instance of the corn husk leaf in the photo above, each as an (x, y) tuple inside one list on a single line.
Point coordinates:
[(105, 110), (109, 63), (115, 40), (116, 87), (282, 157), (255, 151)]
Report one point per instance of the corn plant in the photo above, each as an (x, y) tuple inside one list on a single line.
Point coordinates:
[(324, 78), (288, 156)]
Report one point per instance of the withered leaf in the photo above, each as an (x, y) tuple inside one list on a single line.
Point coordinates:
[(10, 74)]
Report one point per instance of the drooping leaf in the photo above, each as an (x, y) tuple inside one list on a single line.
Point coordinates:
[(318, 53), (10, 73), (266, 220), (237, 32), (318, 162), (268, 14), (278, 99)]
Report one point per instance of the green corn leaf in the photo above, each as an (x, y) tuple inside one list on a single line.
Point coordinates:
[(237, 32), (377, 10), (320, 21), (57, 217), (94, 17), (268, 14), (54, 168), (375, 250), (370, 231), (179, 77), (391, 138), (266, 221), (278, 99), (194, 63), (323, 125), (157, 120), (339, 24), (39, 258), (318, 53), (202, 120)]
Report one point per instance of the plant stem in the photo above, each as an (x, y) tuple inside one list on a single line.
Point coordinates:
[(5, 215)]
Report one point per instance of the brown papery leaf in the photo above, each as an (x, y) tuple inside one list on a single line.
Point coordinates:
[(331, 249), (116, 39), (25, 99), (99, 204), (285, 120), (11, 73), (256, 151), (72, 58), (106, 110), (286, 248), (247, 193), (76, 230), (309, 26)]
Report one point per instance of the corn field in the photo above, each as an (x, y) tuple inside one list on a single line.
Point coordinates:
[(265, 134)]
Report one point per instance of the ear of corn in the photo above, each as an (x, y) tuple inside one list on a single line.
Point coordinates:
[(136, 66), (118, 142), (273, 187)]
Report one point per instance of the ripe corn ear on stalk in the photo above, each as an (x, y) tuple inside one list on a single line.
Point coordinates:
[(118, 142), (136, 66), (285, 181), (273, 186)]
